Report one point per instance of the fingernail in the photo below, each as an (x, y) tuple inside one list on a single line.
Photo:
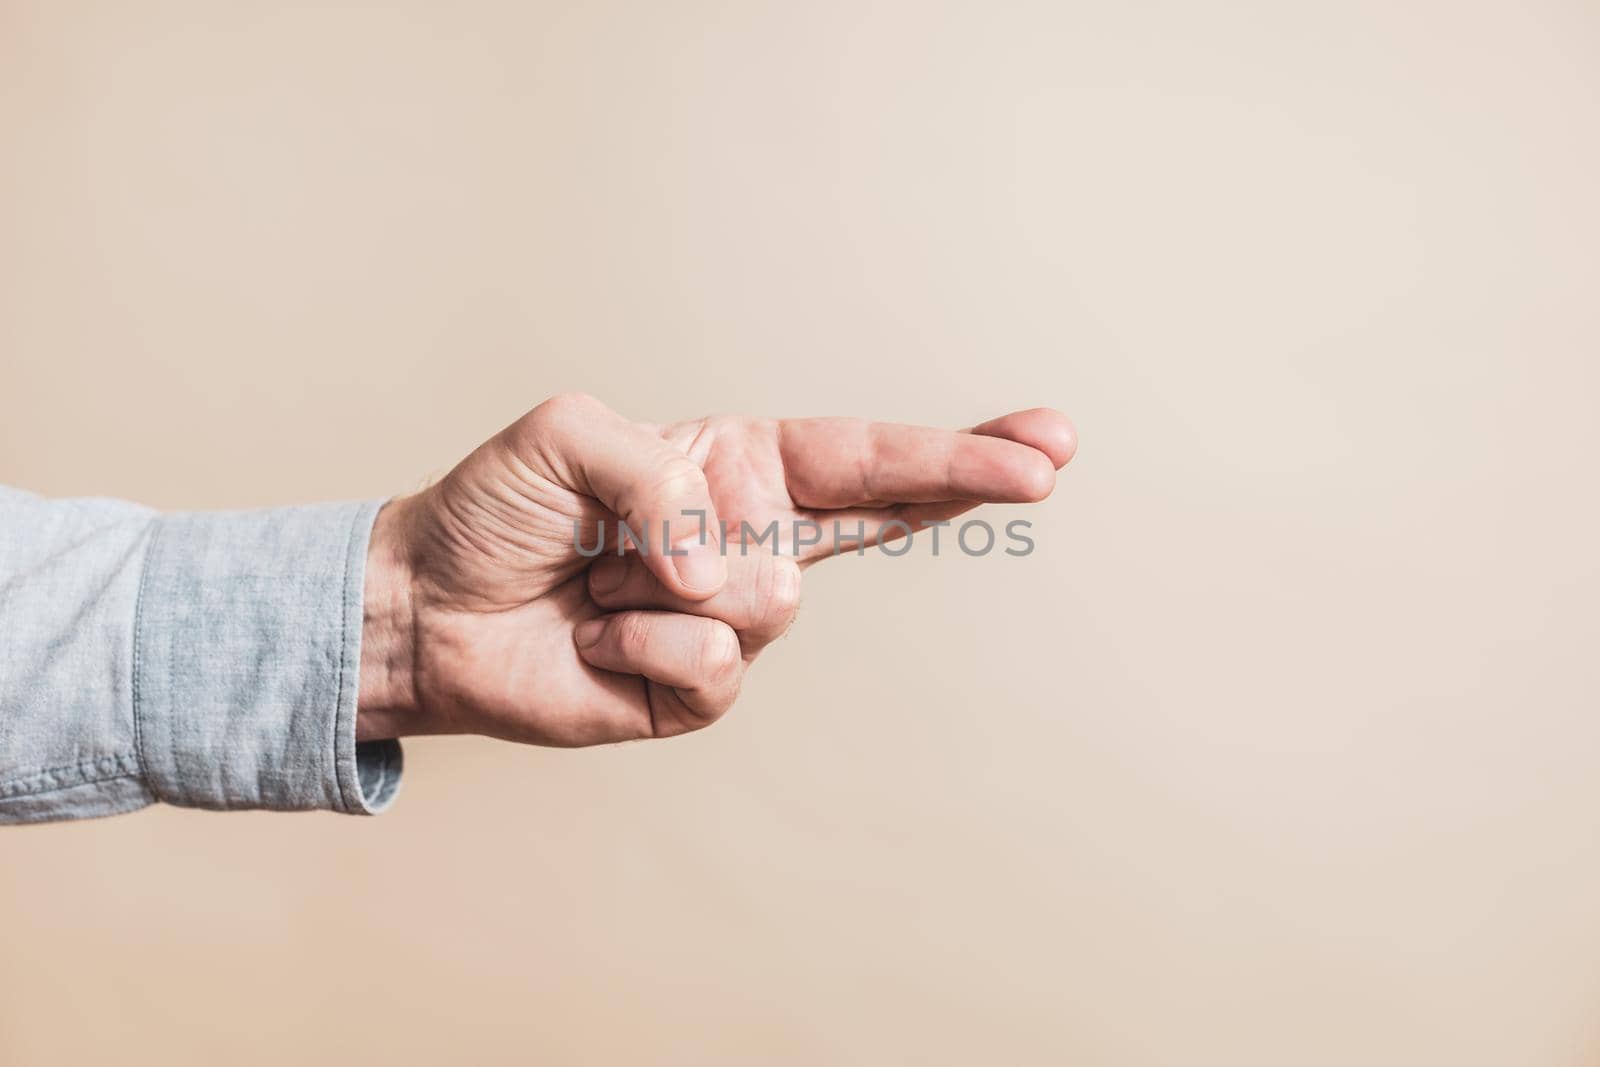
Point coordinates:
[(701, 567), (588, 633), (606, 576)]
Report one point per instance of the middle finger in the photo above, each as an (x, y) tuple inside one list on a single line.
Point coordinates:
[(759, 599)]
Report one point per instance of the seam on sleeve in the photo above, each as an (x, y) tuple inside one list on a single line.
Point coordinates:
[(72, 775), (105, 798), (344, 654), (138, 656), (180, 784)]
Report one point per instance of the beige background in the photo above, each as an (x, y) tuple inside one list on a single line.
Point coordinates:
[(1282, 749)]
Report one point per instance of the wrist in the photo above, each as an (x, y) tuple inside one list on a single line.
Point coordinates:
[(387, 703)]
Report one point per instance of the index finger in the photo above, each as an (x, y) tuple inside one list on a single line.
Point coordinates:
[(836, 463)]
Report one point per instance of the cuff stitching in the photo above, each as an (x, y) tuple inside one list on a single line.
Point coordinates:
[(339, 772), (120, 765), (138, 657)]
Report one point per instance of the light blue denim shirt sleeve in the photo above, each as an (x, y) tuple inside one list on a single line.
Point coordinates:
[(205, 659)]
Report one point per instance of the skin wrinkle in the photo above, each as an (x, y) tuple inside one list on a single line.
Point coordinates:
[(702, 427), (866, 459)]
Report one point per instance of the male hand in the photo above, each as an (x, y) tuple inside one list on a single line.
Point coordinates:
[(484, 614)]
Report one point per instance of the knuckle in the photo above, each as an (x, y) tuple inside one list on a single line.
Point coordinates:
[(572, 401), (779, 594), (672, 481), (715, 711), (561, 408), (719, 654), (632, 633)]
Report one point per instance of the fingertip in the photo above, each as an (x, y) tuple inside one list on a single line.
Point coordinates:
[(698, 570), (1050, 432), (1036, 480), (606, 576), (1058, 437), (587, 634), (1044, 429)]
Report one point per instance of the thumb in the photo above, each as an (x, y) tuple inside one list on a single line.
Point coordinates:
[(659, 493)]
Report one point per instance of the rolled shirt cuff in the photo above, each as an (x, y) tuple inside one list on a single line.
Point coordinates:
[(247, 648)]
